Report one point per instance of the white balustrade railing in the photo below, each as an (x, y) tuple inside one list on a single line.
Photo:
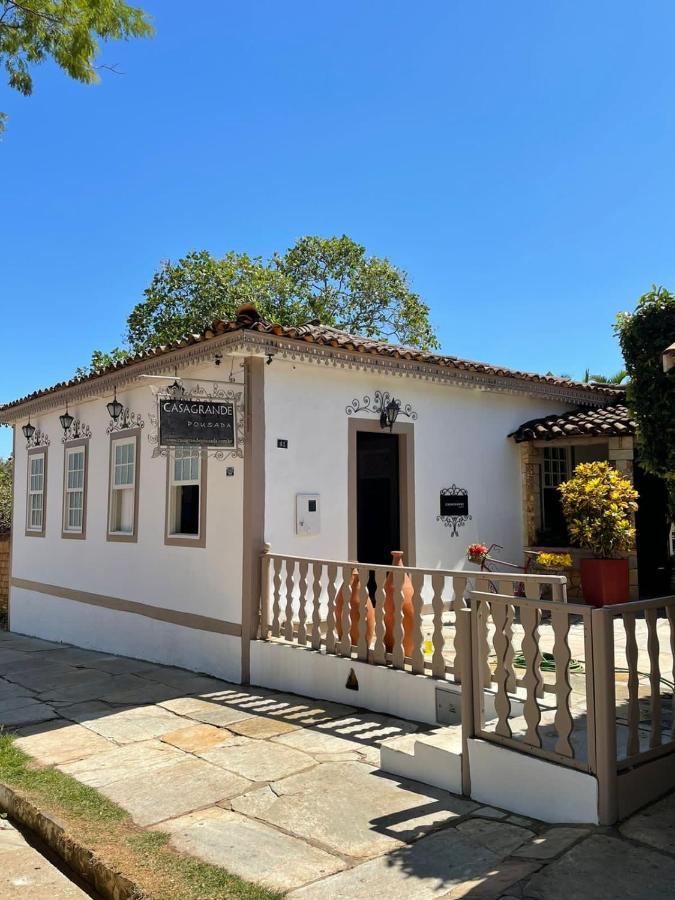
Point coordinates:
[(396, 615)]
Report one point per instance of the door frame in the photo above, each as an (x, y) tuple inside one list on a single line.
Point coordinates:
[(406, 472)]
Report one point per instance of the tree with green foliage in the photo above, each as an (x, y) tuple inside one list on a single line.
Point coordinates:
[(331, 280), (644, 334), (6, 469), (617, 378), (66, 31)]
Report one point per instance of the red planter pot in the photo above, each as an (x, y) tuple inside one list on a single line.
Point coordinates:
[(604, 581)]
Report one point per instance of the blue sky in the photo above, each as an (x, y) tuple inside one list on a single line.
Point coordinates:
[(516, 159)]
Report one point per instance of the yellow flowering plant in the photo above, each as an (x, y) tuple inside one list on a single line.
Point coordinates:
[(554, 560), (598, 504)]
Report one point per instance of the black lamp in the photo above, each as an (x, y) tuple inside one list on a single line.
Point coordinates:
[(389, 414), (66, 420), (28, 430), (114, 407)]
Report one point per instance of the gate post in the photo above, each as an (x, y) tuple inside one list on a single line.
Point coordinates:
[(464, 645), (602, 628)]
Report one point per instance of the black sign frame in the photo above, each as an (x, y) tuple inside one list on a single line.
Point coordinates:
[(454, 508), (197, 421)]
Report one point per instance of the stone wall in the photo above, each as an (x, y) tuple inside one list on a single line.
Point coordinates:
[(4, 578), (621, 455)]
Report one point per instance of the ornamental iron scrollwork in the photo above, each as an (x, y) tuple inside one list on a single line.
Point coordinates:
[(378, 404), (127, 419), (454, 522), (177, 391), (76, 431), (38, 439)]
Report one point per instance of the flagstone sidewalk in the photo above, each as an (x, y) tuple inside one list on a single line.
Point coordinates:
[(285, 791)]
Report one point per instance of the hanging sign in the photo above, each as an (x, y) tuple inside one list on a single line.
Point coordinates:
[(454, 504), (207, 421), (454, 511)]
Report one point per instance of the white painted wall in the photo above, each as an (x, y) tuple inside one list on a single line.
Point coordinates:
[(531, 786), (204, 581), (461, 437), (288, 668), (126, 634)]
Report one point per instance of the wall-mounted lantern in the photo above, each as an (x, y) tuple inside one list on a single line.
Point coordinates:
[(66, 420), (28, 430), (114, 407), (389, 414)]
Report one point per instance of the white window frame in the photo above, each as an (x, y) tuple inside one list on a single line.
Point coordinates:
[(557, 460), (130, 437), (69, 450), (171, 536), (31, 530)]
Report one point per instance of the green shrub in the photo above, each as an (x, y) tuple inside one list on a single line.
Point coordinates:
[(597, 503)]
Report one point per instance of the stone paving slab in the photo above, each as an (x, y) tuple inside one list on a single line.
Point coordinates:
[(551, 843), (12, 689), (57, 742), (118, 763), (125, 726), (79, 685), (500, 837), (26, 875), (197, 738), (427, 869), (207, 711), (262, 728), (173, 790), (253, 851), (27, 713), (654, 825), (258, 760), (349, 809), (605, 868)]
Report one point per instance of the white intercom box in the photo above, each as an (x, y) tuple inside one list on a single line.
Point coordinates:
[(307, 514)]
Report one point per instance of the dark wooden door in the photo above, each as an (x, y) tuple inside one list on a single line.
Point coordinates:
[(378, 501), (652, 529)]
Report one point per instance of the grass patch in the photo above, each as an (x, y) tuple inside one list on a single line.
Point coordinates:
[(92, 820)]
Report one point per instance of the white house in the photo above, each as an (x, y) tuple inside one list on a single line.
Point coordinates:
[(146, 542)]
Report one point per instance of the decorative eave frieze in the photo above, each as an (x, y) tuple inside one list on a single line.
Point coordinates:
[(255, 343)]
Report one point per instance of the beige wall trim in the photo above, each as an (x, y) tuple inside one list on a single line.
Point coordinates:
[(36, 451), (184, 540), (75, 535), (406, 462), (254, 508), (121, 436), (117, 604)]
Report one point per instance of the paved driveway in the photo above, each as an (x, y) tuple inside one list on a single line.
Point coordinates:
[(285, 791)]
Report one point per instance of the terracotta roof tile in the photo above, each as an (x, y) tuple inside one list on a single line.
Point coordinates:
[(613, 420), (315, 333)]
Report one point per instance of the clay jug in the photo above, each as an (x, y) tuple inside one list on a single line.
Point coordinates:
[(407, 608), (354, 612)]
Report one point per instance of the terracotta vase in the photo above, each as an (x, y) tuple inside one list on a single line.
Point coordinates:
[(604, 581), (407, 608), (354, 612)]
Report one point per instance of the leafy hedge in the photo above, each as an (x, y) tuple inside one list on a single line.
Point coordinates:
[(644, 335), (5, 495)]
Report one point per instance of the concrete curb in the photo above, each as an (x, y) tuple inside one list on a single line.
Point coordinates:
[(109, 883)]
